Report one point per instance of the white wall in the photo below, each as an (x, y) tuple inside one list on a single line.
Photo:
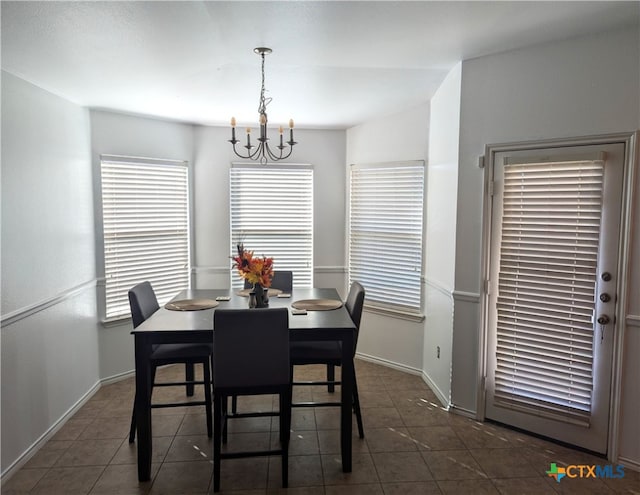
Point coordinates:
[(440, 238), (324, 149), (573, 88), (49, 331), (398, 137), (118, 134)]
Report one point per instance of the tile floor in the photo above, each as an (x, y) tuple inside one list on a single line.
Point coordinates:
[(412, 446)]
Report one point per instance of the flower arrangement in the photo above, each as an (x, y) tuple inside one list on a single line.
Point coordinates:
[(254, 269)]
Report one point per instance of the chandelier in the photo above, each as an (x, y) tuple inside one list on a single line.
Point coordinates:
[(262, 151)]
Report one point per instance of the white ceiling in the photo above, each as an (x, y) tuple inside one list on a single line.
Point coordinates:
[(334, 63)]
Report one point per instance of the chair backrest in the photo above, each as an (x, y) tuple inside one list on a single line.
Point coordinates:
[(354, 304), (251, 348), (282, 280), (143, 302)]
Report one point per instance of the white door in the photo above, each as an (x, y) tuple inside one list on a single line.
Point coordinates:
[(552, 290)]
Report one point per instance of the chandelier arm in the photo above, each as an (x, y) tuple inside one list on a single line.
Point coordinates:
[(288, 154), (257, 152), (272, 155), (236, 151)]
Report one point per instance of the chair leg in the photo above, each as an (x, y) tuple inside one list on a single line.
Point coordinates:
[(132, 430), (189, 374), (225, 412), (217, 439), (234, 404), (285, 433), (356, 408), (207, 394), (331, 377)]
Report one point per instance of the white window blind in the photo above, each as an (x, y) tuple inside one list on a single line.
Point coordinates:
[(272, 214), (548, 256), (145, 211), (385, 233)]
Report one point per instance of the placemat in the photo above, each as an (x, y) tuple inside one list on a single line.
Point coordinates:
[(317, 304), (272, 292), (191, 304)]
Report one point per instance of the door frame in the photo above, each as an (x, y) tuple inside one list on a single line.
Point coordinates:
[(631, 159)]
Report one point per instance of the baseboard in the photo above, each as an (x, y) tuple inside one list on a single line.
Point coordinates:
[(468, 413), (632, 464), (47, 435), (444, 400), (388, 364), (116, 378)]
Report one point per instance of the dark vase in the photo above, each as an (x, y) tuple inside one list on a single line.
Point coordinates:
[(259, 294)]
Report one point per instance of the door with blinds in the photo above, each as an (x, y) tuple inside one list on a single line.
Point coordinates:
[(555, 232)]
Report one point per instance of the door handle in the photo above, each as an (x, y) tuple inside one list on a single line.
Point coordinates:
[(604, 320)]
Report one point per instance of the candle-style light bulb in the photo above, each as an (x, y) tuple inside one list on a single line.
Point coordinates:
[(280, 130), (263, 119), (291, 142), (233, 121)]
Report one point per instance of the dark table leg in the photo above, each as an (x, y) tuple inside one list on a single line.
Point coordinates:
[(142, 405), (346, 401)]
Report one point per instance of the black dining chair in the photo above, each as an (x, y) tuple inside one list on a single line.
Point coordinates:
[(330, 353), (282, 280), (143, 303), (250, 357)]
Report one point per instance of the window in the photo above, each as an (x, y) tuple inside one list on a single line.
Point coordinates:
[(145, 213), (385, 233), (272, 214)]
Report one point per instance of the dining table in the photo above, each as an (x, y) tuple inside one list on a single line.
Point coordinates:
[(194, 324)]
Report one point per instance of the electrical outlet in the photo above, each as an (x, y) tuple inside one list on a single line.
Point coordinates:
[(438, 352)]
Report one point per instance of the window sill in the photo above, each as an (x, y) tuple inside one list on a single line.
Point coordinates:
[(394, 313), (118, 321)]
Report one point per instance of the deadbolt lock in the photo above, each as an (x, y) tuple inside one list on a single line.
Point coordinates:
[(606, 276), (604, 319), (604, 297)]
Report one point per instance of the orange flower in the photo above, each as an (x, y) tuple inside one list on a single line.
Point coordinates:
[(253, 269)]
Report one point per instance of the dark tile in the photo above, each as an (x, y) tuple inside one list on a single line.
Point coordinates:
[(504, 463), (93, 452), (453, 465), (68, 480), (244, 474), (182, 478), (23, 481), (191, 448), (411, 488), (523, 486), (128, 452), (389, 440), (377, 417), (116, 427), (304, 471), (467, 487), (123, 480), (435, 438), (367, 489), (363, 470), (401, 466)]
